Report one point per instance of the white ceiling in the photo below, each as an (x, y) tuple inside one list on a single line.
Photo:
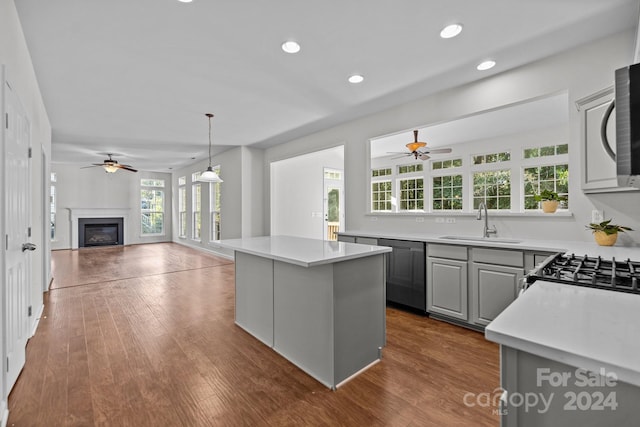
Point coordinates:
[(135, 77)]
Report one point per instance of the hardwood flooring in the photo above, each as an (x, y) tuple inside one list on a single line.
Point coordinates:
[(144, 336)]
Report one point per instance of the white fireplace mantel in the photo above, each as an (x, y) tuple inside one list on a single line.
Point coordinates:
[(76, 213)]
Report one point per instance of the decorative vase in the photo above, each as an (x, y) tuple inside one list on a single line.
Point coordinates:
[(549, 206), (604, 239)]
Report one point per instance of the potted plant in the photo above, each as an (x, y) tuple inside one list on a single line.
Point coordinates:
[(549, 200), (606, 233)]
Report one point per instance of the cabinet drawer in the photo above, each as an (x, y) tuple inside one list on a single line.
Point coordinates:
[(498, 256), (348, 239), (447, 251)]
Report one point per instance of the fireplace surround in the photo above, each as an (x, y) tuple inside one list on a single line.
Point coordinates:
[(100, 232), (100, 215)]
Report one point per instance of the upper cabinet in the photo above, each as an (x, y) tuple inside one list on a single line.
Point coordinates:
[(599, 169)]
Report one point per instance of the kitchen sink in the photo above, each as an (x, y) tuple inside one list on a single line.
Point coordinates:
[(481, 239)]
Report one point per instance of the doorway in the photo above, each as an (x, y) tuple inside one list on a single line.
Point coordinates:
[(298, 195), (17, 212), (333, 203)]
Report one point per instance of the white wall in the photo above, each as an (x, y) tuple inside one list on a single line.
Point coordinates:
[(580, 72), (241, 198), (297, 193), (94, 188), (14, 55)]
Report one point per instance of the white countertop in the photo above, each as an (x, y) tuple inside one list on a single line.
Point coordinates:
[(302, 251), (582, 327), (589, 248)]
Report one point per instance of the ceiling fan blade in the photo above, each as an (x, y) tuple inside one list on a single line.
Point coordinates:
[(401, 156), (424, 156), (128, 168), (93, 165), (439, 151)]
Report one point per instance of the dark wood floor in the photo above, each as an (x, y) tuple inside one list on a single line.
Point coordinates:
[(144, 336)]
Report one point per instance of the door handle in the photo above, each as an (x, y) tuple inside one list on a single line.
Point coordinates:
[(28, 247)]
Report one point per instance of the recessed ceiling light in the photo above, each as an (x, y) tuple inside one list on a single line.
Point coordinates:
[(291, 47), (185, 1), (486, 65), (356, 78), (451, 31)]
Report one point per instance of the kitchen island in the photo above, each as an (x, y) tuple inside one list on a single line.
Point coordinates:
[(319, 304), (569, 356)]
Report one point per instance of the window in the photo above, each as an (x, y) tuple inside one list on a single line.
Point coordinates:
[(52, 201), (503, 156), (381, 172), (446, 164), (332, 174), (550, 150), (447, 192), (553, 178), (411, 194), (182, 207), (214, 208), (410, 168), (152, 206), (381, 196), (494, 188), (196, 207)]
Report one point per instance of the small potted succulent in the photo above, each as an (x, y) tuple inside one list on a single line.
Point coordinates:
[(606, 233), (549, 200)]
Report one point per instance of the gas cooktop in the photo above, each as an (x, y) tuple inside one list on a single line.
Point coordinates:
[(594, 272)]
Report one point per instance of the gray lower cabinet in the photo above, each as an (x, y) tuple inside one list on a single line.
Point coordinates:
[(447, 281), (496, 274)]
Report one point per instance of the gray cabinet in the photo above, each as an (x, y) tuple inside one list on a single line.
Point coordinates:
[(496, 274), (348, 239), (447, 284), (598, 168)]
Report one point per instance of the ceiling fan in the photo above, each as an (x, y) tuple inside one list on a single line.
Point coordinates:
[(417, 149), (111, 166)]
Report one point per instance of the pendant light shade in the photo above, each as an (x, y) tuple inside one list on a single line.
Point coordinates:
[(209, 175)]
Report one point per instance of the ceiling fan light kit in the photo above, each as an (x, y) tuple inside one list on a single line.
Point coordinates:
[(415, 149), (111, 166), (209, 175)]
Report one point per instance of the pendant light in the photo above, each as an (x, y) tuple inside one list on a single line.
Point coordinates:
[(209, 175)]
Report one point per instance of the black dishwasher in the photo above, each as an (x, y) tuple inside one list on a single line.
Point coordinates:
[(406, 273)]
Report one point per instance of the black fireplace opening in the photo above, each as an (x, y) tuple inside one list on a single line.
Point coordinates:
[(100, 232)]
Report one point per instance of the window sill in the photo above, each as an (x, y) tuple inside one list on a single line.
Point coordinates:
[(492, 214), (142, 236)]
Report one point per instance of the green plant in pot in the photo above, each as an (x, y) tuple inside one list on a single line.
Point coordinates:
[(606, 233), (549, 200)]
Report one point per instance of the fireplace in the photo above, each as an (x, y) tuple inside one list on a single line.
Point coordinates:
[(100, 232)]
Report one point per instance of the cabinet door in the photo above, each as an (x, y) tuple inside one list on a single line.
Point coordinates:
[(493, 288), (598, 168), (348, 239), (447, 287)]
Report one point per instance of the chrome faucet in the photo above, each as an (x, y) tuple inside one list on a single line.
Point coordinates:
[(486, 232)]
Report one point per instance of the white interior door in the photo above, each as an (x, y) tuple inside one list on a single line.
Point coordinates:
[(18, 248), (333, 203)]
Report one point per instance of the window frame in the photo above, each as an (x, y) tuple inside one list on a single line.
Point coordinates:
[(158, 186)]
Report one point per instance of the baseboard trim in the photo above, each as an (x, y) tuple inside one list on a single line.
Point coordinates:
[(5, 413), (205, 249), (37, 320)]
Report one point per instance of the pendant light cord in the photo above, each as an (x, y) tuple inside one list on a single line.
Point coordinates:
[(210, 116)]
